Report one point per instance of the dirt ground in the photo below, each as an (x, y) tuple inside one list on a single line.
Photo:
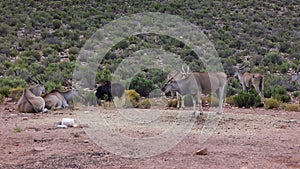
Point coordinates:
[(245, 138)]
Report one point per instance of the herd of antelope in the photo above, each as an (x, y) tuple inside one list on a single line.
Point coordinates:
[(180, 83), (32, 101)]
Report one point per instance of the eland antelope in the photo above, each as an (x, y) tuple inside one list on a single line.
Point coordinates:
[(38, 89), (29, 103), (111, 90), (247, 80), (57, 99), (196, 83)]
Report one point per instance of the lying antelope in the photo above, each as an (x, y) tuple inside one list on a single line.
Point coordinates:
[(57, 99), (38, 89), (29, 103), (196, 83), (247, 80)]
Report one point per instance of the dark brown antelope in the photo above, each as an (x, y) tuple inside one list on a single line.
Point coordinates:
[(196, 83), (29, 103), (248, 80)]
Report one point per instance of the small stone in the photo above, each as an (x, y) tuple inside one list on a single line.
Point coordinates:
[(38, 149), (86, 141), (292, 121), (202, 152), (25, 118), (62, 126)]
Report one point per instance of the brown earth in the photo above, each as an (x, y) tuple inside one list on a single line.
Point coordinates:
[(245, 138)]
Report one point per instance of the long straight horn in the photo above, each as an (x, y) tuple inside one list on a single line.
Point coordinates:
[(39, 81), (182, 69), (33, 80)]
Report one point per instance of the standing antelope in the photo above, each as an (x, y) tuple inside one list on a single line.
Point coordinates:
[(247, 80), (196, 83)]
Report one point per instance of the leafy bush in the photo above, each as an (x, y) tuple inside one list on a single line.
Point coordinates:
[(230, 100), (280, 94), (245, 99), (142, 85), (145, 104), (296, 94), (50, 85), (271, 103), (2, 99), (16, 93), (132, 98), (90, 98), (10, 82), (213, 101), (291, 107), (172, 103), (4, 90)]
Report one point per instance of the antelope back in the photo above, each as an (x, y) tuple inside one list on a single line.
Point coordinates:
[(29, 103)]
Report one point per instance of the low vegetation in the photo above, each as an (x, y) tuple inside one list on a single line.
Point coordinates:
[(43, 43)]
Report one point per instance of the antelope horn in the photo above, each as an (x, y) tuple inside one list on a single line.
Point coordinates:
[(33, 80), (39, 81)]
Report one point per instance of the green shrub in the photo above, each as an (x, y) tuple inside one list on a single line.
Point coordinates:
[(213, 101), (296, 94), (280, 94), (271, 103), (50, 85), (132, 98), (4, 90), (172, 103), (90, 98), (142, 85), (2, 97), (145, 104), (16, 93), (245, 99), (291, 107), (230, 100)]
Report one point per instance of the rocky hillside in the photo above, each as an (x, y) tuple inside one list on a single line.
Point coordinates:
[(43, 39)]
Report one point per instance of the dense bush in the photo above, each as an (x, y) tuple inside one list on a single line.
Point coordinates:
[(145, 104), (291, 107), (280, 94), (16, 93), (132, 98), (271, 103), (245, 99), (9, 83), (142, 85), (2, 97)]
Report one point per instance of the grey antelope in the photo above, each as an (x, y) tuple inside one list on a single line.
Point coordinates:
[(30, 103), (296, 78), (196, 83), (247, 80), (38, 89), (57, 99), (175, 76)]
